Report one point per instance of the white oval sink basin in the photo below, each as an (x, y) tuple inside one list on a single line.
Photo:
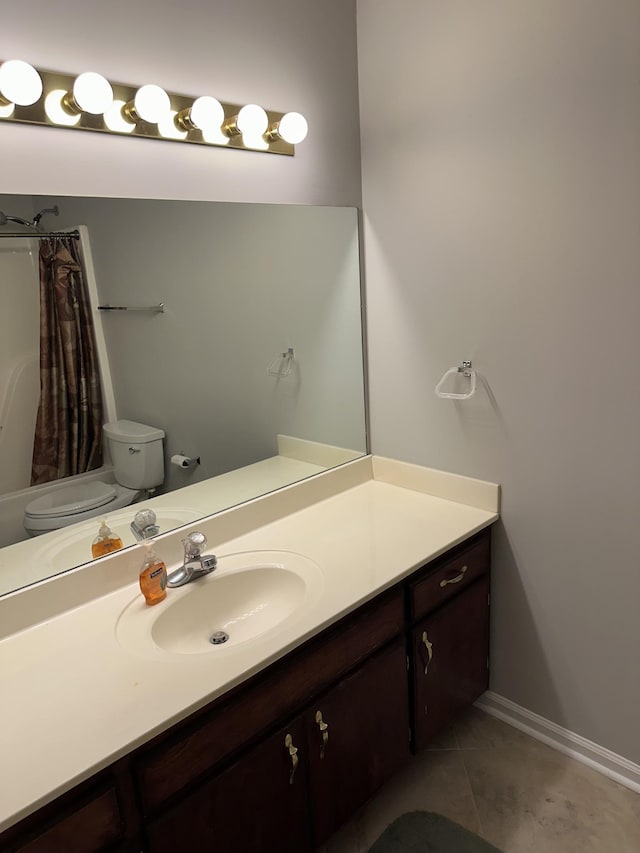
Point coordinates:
[(243, 605), (247, 596)]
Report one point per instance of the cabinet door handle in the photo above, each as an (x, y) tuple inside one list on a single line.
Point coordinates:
[(457, 578), (293, 750), (323, 730), (429, 647)]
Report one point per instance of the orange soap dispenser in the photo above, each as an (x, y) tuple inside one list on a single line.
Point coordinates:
[(153, 576), (105, 542)]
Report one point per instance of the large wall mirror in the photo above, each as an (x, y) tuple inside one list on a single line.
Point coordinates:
[(254, 367)]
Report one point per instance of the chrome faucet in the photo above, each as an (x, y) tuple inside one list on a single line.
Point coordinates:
[(195, 564), (144, 525)]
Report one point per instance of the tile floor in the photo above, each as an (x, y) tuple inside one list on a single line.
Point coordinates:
[(519, 794)]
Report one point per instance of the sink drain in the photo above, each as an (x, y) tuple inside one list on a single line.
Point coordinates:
[(218, 637)]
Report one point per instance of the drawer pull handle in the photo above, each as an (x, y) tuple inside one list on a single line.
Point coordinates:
[(288, 742), (429, 647), (457, 578), (323, 730)]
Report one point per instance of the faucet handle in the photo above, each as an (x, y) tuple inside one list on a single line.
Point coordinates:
[(144, 522), (209, 562), (193, 544)]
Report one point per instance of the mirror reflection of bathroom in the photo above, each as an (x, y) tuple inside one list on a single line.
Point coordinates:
[(240, 285), (57, 388)]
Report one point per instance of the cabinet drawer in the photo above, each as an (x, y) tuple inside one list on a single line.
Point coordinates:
[(192, 751), (93, 824), (450, 575)]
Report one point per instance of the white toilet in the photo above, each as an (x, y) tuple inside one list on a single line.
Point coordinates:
[(138, 462)]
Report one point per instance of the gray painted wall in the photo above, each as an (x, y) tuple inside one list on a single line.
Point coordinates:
[(501, 187)]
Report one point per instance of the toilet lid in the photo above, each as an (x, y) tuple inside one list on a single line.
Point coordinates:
[(72, 499)]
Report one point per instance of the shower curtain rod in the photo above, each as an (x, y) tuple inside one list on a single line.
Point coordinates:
[(44, 235)]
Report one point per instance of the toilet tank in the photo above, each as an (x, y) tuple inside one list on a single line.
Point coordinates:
[(136, 453)]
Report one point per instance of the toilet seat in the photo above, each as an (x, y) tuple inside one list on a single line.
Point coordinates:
[(71, 500), (48, 519)]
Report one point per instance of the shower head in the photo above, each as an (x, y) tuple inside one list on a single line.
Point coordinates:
[(34, 225), (5, 218)]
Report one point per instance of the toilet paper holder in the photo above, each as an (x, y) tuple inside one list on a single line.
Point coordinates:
[(183, 461)]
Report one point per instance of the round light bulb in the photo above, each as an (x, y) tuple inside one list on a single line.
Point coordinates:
[(293, 128), (55, 112), (92, 93), (20, 83), (168, 129), (114, 120), (256, 143), (207, 113), (252, 121), (7, 111), (215, 137), (151, 103)]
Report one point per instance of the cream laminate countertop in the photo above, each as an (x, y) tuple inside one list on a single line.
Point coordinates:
[(74, 699)]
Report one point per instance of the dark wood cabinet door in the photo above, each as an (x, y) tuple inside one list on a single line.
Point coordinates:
[(260, 804), (450, 660), (366, 739)]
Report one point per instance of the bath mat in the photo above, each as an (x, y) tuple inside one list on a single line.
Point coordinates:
[(425, 832)]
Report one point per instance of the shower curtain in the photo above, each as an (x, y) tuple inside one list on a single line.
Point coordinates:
[(68, 436)]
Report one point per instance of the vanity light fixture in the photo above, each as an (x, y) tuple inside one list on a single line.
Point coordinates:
[(91, 102)]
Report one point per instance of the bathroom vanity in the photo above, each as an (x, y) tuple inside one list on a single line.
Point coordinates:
[(272, 743)]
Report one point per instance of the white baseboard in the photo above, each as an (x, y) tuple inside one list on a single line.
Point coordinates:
[(603, 760)]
